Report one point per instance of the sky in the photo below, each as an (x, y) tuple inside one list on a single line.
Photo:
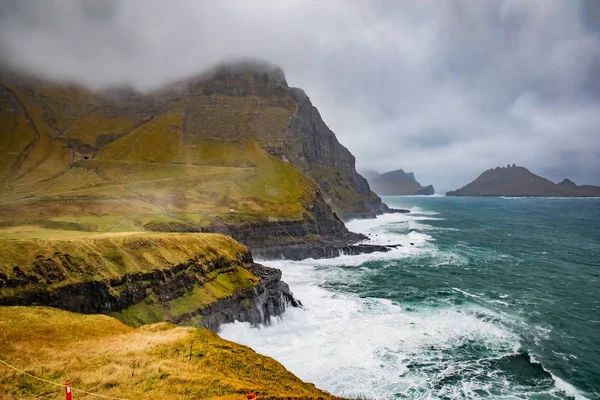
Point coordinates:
[(446, 89)]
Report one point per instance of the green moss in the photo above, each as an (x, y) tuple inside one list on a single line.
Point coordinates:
[(219, 285), (147, 311)]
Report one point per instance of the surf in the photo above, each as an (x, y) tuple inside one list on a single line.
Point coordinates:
[(453, 344)]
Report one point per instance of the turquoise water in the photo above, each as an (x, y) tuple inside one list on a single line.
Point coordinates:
[(488, 298)]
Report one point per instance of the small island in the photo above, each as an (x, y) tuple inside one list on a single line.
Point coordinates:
[(397, 183), (517, 181)]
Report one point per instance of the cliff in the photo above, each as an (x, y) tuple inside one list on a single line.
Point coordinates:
[(518, 181), (141, 278), (99, 354), (398, 182), (235, 148)]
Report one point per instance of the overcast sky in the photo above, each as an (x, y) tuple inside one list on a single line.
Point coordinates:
[(446, 89)]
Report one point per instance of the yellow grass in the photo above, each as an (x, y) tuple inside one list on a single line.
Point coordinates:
[(88, 129), (155, 175), (101, 355), (106, 256)]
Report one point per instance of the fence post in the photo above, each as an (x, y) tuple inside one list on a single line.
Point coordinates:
[(68, 394)]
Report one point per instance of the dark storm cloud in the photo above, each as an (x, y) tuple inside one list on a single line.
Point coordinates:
[(444, 89)]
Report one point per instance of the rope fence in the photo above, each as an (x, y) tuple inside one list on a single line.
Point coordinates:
[(63, 385)]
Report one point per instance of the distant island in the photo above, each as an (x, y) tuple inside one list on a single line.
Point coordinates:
[(518, 181), (394, 183)]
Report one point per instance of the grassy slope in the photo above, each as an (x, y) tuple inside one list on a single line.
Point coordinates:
[(151, 171), (108, 256), (101, 355)]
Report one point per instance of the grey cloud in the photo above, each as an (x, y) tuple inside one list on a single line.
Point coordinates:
[(444, 89)]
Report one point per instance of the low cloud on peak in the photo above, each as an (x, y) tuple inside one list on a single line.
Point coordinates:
[(447, 89)]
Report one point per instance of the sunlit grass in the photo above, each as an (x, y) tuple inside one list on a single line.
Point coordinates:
[(162, 361)]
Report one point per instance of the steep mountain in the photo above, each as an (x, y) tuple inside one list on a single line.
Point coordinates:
[(397, 182), (519, 181), (233, 150)]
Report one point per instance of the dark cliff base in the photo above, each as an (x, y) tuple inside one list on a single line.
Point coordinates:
[(269, 298), (255, 304), (316, 251)]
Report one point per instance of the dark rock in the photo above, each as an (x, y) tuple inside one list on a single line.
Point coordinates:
[(257, 305), (426, 191), (398, 211), (398, 183), (315, 251)]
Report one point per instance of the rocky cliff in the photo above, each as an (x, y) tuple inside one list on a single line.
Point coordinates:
[(190, 279), (398, 182), (516, 181), (234, 147)]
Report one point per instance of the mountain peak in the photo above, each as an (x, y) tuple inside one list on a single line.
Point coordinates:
[(398, 182), (514, 180), (567, 182)]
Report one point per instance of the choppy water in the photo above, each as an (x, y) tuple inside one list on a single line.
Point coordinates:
[(495, 298)]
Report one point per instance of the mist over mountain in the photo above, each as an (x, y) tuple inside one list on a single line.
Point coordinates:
[(445, 88)]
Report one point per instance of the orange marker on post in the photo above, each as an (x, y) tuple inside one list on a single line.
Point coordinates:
[(68, 394)]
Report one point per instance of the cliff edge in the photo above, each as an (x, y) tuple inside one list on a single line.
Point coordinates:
[(140, 278)]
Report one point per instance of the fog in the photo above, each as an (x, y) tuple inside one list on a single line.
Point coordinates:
[(443, 89)]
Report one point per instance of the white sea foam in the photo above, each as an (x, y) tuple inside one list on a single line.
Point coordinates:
[(466, 293), (369, 347), (354, 346)]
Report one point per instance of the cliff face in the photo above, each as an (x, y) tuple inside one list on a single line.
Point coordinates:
[(314, 148), (235, 145), (398, 182), (518, 181), (191, 279), (305, 141)]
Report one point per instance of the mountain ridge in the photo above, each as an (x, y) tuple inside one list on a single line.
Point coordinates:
[(236, 144), (517, 181)]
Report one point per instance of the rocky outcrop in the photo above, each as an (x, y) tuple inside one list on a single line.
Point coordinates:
[(305, 140), (516, 181), (314, 148), (426, 191), (267, 299), (318, 250), (255, 304), (201, 291), (398, 183)]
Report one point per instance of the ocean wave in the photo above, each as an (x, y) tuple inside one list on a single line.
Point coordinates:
[(374, 348), (356, 346)]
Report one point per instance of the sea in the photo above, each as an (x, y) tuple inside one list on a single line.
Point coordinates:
[(486, 298)]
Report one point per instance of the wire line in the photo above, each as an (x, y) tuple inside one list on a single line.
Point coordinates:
[(59, 384)]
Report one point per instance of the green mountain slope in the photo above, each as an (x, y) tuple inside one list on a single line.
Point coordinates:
[(237, 144)]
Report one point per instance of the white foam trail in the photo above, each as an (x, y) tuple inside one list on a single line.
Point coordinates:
[(466, 293)]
